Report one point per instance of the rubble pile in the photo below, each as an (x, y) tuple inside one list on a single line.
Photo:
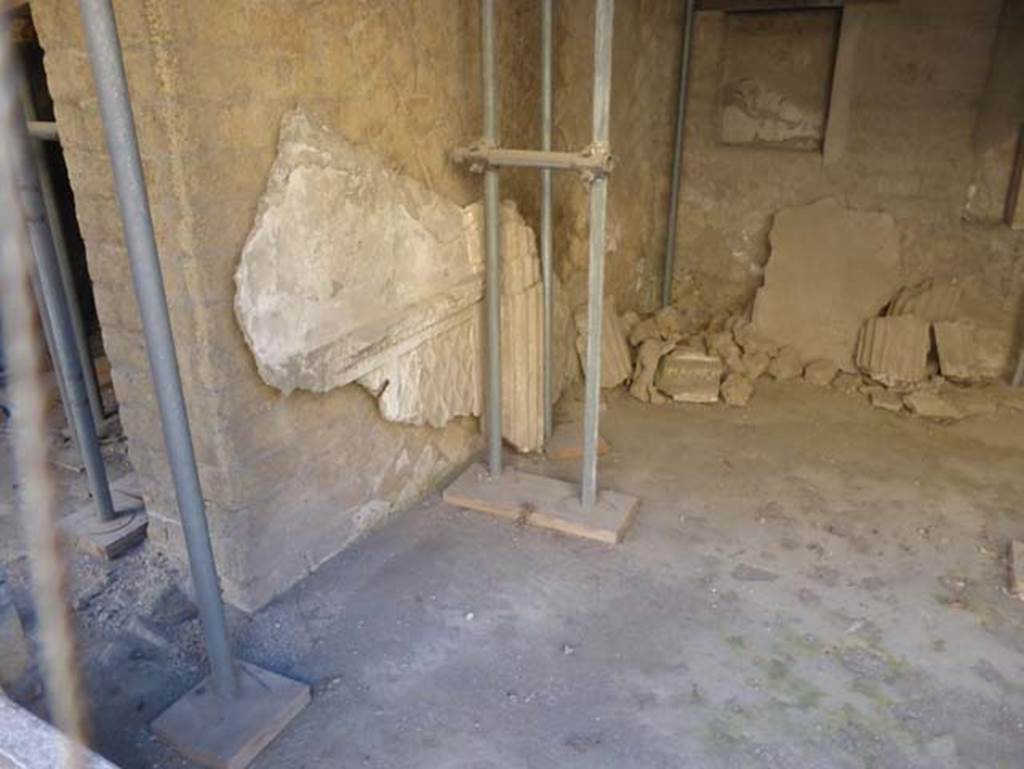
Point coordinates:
[(921, 354), (837, 310), (676, 359)]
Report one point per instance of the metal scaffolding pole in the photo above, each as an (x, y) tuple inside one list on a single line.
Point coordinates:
[(43, 130), (677, 157), (37, 493), (546, 24), (58, 372), (535, 499), (122, 145), (604, 14), (67, 362), (492, 238), (67, 279), (479, 157)]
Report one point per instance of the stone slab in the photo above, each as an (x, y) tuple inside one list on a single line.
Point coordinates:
[(549, 503), (929, 301), (830, 269), (955, 345), (894, 350), (690, 377), (28, 742), (107, 539), (443, 377), (348, 262), (931, 405), (566, 442), (971, 353), (885, 399), (222, 735)]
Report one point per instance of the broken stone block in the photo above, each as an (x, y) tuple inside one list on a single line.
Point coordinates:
[(737, 390), (972, 401), (443, 377), (355, 272), (994, 352), (886, 399), (616, 364), (629, 320), (752, 342), (733, 359), (830, 268), (347, 262), (722, 344), (436, 381), (786, 365), (847, 383), (929, 301), (690, 377), (821, 372), (755, 364), (669, 322), (644, 330), (1008, 397), (930, 404), (894, 350), (956, 348), (647, 360), (15, 658)]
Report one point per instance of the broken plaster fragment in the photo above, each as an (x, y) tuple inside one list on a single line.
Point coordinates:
[(786, 365), (929, 404), (821, 372), (737, 390), (647, 360)]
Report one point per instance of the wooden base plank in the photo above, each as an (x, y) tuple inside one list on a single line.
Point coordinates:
[(107, 539), (229, 735), (544, 502)]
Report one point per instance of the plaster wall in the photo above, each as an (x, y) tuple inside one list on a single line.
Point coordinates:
[(288, 480), (930, 89), (918, 75)]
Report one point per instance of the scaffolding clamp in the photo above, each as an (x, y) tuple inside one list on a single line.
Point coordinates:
[(593, 162)]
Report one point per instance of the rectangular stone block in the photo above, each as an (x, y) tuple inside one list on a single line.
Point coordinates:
[(970, 354), (955, 345), (830, 268), (894, 350), (690, 377)]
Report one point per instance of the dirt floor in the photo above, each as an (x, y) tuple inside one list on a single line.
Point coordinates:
[(810, 582)]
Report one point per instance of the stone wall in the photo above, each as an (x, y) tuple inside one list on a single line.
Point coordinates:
[(288, 480), (916, 80), (645, 59), (926, 85)]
